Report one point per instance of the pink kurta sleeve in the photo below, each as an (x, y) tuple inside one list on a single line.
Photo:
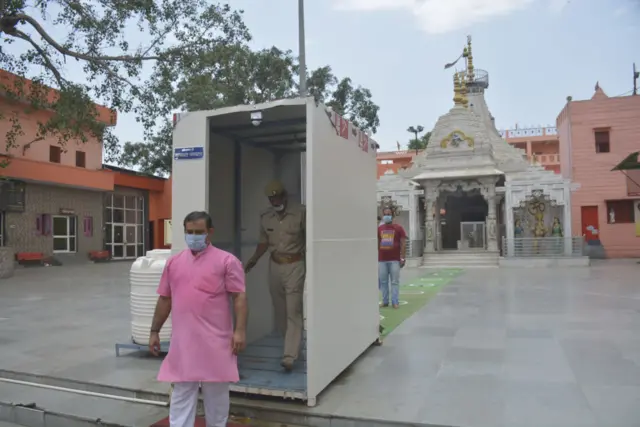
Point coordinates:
[(164, 288), (234, 278)]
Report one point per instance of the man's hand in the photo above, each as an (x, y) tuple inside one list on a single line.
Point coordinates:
[(238, 342), (250, 264), (402, 262), (154, 343)]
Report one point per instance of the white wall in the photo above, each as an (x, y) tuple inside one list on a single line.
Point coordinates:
[(221, 191), (192, 130), (289, 174), (342, 273)]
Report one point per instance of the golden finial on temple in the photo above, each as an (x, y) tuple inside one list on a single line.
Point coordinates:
[(463, 90), (470, 69), (457, 95)]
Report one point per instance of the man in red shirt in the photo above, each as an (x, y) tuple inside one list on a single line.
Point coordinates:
[(392, 241)]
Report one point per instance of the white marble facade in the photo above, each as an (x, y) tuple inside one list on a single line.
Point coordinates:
[(548, 189), (467, 155)]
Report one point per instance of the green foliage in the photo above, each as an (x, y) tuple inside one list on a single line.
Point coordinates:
[(419, 143), (99, 36), (231, 75)]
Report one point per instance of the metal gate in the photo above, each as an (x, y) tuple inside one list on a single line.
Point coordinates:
[(472, 235)]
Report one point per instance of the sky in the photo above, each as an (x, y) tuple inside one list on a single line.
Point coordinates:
[(537, 53)]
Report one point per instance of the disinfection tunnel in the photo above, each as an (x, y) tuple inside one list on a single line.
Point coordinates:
[(223, 159)]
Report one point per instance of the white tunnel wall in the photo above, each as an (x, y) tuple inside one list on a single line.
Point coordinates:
[(221, 190), (257, 169), (289, 174), (191, 130), (342, 272)]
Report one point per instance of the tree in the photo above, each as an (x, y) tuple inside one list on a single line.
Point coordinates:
[(415, 142), (234, 75), (419, 143), (99, 37)]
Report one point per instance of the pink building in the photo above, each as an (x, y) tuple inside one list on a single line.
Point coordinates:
[(595, 135)]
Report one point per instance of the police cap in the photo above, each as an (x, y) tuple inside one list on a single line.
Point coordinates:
[(274, 188)]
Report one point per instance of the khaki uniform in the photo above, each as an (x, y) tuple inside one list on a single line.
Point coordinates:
[(286, 236)]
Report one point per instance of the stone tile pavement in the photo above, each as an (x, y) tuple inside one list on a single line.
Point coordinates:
[(496, 348)]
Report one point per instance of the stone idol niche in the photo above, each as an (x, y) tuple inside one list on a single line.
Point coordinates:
[(538, 216)]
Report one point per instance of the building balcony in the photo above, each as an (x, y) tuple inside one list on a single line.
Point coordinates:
[(546, 159), (528, 133), (57, 174)]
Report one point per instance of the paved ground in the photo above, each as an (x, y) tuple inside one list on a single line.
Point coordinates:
[(496, 348)]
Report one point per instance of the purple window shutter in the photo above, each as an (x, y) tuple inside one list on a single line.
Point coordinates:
[(84, 226), (88, 226), (39, 225)]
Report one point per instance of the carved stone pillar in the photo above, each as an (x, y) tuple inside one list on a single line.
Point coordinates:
[(436, 224), (414, 223), (510, 222), (430, 199), (489, 193)]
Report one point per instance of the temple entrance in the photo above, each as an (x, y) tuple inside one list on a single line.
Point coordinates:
[(463, 221)]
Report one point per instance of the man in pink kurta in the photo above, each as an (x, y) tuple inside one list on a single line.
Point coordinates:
[(196, 287)]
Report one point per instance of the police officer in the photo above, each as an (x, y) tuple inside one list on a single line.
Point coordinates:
[(282, 233)]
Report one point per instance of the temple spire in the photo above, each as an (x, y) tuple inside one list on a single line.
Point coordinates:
[(457, 90), (463, 90), (470, 69)]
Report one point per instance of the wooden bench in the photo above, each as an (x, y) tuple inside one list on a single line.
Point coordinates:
[(30, 258), (98, 256)]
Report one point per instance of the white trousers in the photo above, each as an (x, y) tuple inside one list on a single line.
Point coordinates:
[(184, 403)]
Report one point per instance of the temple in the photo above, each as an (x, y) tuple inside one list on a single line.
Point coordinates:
[(483, 202)]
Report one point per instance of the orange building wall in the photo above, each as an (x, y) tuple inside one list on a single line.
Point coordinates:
[(33, 164), (401, 159), (104, 115), (159, 211), (592, 170), (39, 151)]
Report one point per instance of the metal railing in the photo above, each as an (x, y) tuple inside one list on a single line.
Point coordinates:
[(542, 247), (415, 248)]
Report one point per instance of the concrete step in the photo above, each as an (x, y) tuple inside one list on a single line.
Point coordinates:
[(29, 406), (460, 259), (34, 406), (477, 254), (37, 407)]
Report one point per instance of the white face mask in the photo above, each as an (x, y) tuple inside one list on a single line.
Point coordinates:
[(279, 208)]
